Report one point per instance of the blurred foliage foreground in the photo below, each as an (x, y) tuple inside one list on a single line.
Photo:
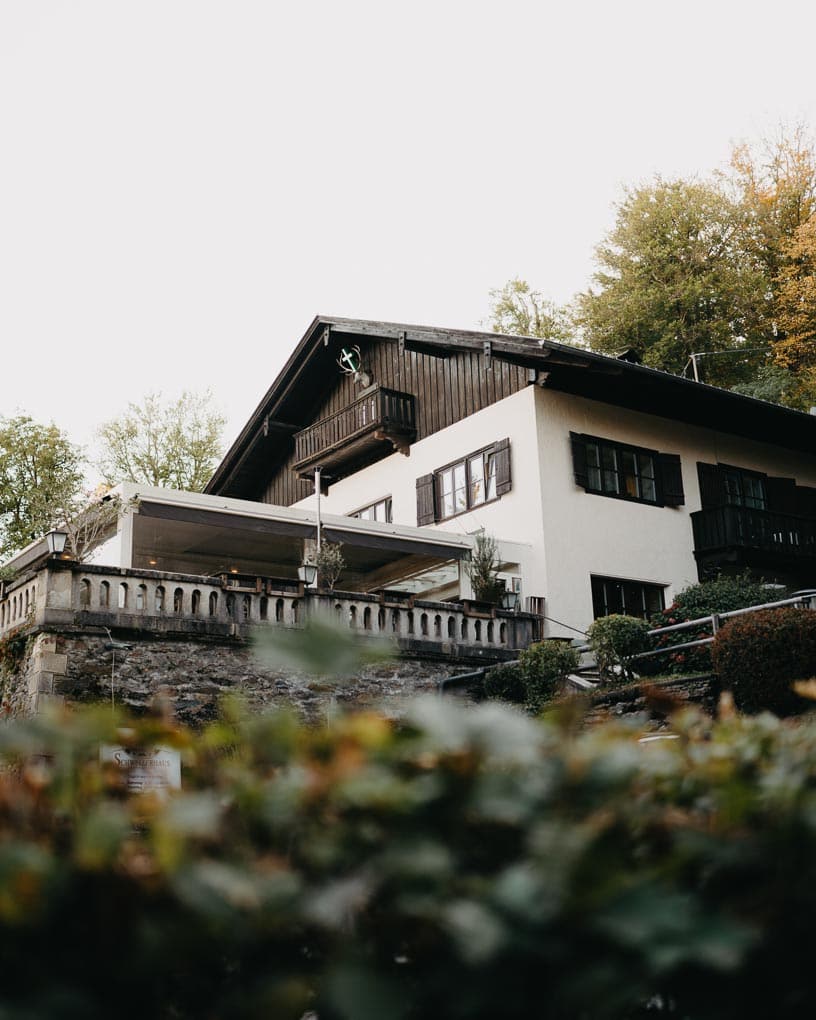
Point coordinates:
[(462, 862)]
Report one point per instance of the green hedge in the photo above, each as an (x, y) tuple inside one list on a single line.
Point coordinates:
[(614, 640), (759, 656), (722, 595), (467, 863), (535, 679)]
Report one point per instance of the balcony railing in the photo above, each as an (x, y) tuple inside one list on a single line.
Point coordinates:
[(380, 417), (73, 594), (743, 529)]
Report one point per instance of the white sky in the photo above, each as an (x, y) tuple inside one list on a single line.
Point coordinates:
[(184, 184)]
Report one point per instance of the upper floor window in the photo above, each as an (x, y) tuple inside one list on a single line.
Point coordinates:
[(722, 484), (477, 478), (744, 489), (608, 468), (379, 511)]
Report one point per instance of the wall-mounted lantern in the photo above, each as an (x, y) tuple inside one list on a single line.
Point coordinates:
[(56, 541)]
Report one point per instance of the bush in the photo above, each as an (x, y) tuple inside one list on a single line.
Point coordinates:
[(722, 595), (505, 684), (465, 863), (614, 640), (543, 667), (761, 654)]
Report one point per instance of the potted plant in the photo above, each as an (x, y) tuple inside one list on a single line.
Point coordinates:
[(483, 570), (330, 564)]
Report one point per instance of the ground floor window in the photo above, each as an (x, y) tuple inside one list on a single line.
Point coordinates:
[(631, 598)]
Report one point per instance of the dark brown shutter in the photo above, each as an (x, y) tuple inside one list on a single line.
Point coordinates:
[(806, 501), (425, 500), (712, 485), (504, 482), (781, 493), (579, 460), (671, 479)]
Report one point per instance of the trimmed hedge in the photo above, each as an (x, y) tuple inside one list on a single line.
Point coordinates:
[(761, 654), (614, 640), (535, 680), (722, 595), (544, 666)]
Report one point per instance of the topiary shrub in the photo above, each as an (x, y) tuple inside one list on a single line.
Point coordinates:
[(722, 595), (504, 683), (543, 667), (614, 640), (760, 655)]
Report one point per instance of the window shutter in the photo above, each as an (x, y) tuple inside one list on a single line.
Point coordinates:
[(501, 451), (579, 460), (425, 500), (806, 501), (781, 494), (712, 487), (671, 479)]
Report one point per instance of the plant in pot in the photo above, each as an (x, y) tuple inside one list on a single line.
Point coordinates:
[(330, 564), (483, 570)]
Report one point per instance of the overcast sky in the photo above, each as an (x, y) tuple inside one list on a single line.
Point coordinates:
[(184, 184)]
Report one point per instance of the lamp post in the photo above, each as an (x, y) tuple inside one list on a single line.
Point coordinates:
[(307, 572), (56, 541), (509, 600)]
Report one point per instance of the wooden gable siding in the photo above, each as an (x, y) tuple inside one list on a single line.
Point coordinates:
[(446, 390)]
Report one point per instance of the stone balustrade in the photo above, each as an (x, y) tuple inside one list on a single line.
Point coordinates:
[(66, 593)]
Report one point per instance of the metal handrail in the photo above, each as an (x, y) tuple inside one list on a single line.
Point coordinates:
[(804, 598)]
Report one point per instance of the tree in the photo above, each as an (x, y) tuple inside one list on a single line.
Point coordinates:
[(40, 476), (795, 350), (519, 311), (775, 183), (674, 278), (174, 444)]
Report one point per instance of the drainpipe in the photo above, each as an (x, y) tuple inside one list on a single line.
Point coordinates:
[(317, 494)]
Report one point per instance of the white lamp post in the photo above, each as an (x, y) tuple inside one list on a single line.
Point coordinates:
[(307, 572), (56, 541)]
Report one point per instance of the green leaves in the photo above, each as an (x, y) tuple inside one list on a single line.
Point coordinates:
[(40, 480), (174, 444), (464, 863)]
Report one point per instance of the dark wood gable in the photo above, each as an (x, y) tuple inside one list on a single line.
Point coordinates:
[(445, 390)]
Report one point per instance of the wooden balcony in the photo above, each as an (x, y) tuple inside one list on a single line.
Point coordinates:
[(377, 423), (779, 544)]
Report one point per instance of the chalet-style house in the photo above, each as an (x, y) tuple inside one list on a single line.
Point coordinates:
[(609, 486)]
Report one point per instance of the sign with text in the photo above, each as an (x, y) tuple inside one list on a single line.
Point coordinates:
[(157, 768)]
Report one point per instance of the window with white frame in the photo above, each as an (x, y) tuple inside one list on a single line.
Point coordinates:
[(379, 511)]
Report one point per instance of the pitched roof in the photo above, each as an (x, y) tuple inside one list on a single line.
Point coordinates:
[(568, 369)]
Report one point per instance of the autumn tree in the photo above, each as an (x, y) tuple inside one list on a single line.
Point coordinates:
[(40, 476), (674, 278), (171, 444), (774, 181), (517, 310), (795, 350)]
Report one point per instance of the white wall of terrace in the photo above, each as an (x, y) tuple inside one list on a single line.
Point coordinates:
[(76, 595)]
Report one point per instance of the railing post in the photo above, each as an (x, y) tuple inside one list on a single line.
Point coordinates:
[(715, 622)]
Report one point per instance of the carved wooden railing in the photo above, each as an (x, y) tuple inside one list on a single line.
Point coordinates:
[(739, 527), (379, 409)]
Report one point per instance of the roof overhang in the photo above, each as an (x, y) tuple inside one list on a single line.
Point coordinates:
[(292, 399)]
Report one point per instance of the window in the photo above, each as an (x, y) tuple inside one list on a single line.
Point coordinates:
[(631, 598), (722, 484), (477, 478), (379, 511), (608, 468), (744, 489)]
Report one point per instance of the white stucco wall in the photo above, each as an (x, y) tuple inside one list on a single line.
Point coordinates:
[(588, 534), (515, 519), (566, 534)]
